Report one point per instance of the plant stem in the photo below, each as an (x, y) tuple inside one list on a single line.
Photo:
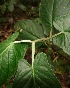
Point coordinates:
[(51, 35), (38, 40), (22, 41), (33, 53), (45, 39)]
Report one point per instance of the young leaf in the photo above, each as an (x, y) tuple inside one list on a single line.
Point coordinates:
[(30, 29), (43, 76), (10, 53)]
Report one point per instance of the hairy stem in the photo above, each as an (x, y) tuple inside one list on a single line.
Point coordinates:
[(38, 40), (45, 39)]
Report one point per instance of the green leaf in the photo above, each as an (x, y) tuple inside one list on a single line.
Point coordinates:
[(62, 24), (46, 9), (63, 41), (3, 8), (52, 10), (41, 76), (30, 29), (21, 6), (10, 54), (7, 42), (11, 5), (57, 13)]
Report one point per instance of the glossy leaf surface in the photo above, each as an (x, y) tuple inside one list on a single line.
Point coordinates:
[(42, 77), (10, 54)]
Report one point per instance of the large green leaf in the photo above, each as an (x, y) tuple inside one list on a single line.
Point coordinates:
[(30, 29), (63, 40), (57, 13), (41, 76), (10, 53), (62, 24), (52, 10)]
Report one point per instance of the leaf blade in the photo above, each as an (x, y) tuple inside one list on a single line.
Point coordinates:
[(9, 56), (43, 78), (30, 29), (58, 20), (63, 41), (57, 9)]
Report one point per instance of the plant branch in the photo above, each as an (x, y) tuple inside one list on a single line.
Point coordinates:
[(33, 53), (22, 41), (45, 39), (38, 40)]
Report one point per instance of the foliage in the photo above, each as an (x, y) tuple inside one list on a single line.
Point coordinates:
[(31, 31), (41, 76), (10, 54), (10, 4), (53, 28)]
